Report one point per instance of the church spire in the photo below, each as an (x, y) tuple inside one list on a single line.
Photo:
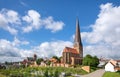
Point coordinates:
[(77, 41)]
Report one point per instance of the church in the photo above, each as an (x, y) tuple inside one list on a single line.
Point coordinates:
[(74, 55)]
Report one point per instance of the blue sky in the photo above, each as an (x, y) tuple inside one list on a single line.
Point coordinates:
[(46, 27)]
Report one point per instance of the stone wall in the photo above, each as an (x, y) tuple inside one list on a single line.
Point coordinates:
[(86, 68)]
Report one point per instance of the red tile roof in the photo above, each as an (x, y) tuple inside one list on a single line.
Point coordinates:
[(113, 62), (118, 60), (53, 60), (71, 50)]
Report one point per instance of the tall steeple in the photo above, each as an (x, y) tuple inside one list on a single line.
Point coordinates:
[(77, 40)]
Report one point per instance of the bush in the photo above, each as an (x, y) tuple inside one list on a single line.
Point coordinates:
[(56, 74), (46, 73), (90, 61)]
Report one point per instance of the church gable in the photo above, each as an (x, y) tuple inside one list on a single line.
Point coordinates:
[(70, 50)]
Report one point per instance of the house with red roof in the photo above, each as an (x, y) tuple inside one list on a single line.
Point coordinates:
[(112, 66)]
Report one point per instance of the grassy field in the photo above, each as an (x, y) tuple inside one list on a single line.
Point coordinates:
[(39, 71), (111, 74), (2, 75)]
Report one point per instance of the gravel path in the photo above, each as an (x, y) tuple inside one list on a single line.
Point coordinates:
[(97, 73)]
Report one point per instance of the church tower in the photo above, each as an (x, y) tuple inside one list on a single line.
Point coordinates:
[(74, 55), (77, 41)]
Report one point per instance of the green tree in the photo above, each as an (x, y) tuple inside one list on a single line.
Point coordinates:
[(96, 61), (38, 61), (48, 62), (58, 58), (55, 57), (90, 60)]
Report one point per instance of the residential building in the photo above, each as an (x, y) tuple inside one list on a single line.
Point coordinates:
[(112, 66)]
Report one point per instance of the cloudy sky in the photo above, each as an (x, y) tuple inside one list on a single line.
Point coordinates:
[(45, 27)]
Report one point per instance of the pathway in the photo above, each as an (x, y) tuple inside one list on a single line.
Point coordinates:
[(97, 73)]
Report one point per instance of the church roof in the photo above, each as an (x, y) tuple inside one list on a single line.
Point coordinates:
[(71, 50)]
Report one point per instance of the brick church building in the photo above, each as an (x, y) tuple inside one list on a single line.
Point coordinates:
[(74, 55)]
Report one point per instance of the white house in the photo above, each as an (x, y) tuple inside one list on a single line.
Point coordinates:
[(102, 62), (112, 66)]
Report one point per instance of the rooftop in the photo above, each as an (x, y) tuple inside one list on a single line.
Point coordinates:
[(71, 50)]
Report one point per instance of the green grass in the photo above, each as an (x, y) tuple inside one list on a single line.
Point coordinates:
[(26, 72), (2, 75), (111, 74)]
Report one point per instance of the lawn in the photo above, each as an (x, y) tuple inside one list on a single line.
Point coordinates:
[(111, 74)]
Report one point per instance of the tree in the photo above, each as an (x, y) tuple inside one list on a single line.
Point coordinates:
[(90, 61), (48, 62), (57, 58), (38, 61), (96, 61)]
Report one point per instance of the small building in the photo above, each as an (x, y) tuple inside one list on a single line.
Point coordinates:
[(102, 62), (112, 66), (53, 60), (43, 64), (30, 61)]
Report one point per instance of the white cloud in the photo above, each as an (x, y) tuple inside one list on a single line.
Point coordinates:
[(52, 25), (34, 21), (27, 29), (25, 42), (104, 39), (12, 17), (13, 22), (10, 59), (48, 49), (8, 19), (12, 49), (17, 42), (7, 49)]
